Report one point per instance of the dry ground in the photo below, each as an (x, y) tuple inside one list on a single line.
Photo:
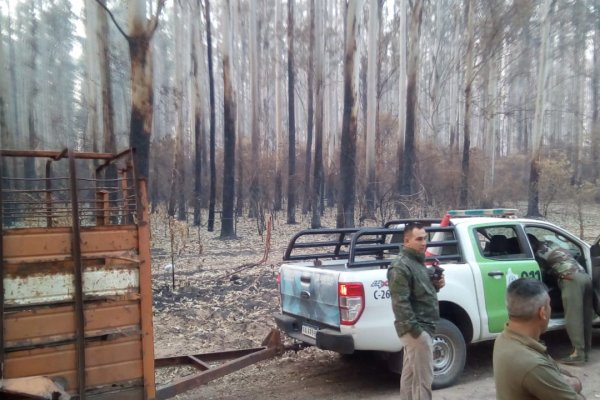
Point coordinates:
[(220, 303)]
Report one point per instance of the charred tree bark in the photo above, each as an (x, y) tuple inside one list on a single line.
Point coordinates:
[(310, 111), (408, 158), (345, 210), (318, 184), (254, 90), (227, 225), (138, 39), (291, 187), (278, 130), (211, 137), (199, 133), (540, 101), (464, 183)]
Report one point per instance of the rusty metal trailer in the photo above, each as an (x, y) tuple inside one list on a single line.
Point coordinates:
[(76, 281)]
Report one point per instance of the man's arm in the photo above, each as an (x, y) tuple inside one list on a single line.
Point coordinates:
[(572, 380), (400, 290), (544, 383)]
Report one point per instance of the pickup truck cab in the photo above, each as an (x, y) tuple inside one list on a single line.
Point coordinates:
[(334, 289)]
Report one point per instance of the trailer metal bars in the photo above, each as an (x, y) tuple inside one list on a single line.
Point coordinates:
[(237, 359), (72, 188)]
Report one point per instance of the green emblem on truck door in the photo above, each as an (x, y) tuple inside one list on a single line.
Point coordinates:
[(503, 255)]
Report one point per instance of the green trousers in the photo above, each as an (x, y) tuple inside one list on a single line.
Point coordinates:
[(577, 302)]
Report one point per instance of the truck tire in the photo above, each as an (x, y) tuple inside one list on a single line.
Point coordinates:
[(449, 354)]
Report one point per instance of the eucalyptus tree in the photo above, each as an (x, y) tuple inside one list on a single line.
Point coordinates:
[(372, 109), (310, 106), (578, 14), (291, 185), (255, 99), (12, 66), (317, 187), (34, 90), (99, 80), (108, 112), (211, 137), (408, 159), (278, 110), (138, 39), (403, 41), (229, 134), (540, 104), (595, 89), (5, 132), (469, 77), (198, 100), (347, 193), (93, 129), (182, 51)]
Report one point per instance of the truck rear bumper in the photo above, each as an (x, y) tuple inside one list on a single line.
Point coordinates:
[(326, 338)]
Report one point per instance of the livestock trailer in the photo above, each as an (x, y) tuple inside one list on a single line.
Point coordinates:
[(76, 294), (76, 283)]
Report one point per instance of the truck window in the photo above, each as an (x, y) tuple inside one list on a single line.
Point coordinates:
[(499, 242)]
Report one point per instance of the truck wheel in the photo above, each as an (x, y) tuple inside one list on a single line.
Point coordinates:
[(449, 354)]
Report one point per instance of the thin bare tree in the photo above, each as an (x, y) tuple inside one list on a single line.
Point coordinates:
[(227, 225), (372, 73), (346, 202), (469, 77), (318, 182), (211, 137), (408, 158), (310, 108), (291, 187), (540, 104)]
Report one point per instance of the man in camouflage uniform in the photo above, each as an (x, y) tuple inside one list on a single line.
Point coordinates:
[(576, 293), (416, 310)]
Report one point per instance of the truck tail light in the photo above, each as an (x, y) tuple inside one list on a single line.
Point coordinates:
[(352, 302)]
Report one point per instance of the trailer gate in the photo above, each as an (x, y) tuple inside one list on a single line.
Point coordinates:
[(76, 281)]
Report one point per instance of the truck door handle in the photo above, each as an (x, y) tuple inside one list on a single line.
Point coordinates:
[(496, 273)]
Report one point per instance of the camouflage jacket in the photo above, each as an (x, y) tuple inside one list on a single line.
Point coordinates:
[(555, 260), (414, 298)]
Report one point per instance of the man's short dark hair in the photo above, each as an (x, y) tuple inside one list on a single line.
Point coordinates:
[(524, 297), (411, 226)]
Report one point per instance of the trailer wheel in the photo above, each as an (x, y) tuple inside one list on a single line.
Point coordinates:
[(449, 354)]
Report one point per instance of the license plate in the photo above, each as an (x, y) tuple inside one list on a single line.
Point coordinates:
[(309, 331)]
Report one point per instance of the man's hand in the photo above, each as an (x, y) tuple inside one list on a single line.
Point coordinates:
[(572, 380), (439, 283)]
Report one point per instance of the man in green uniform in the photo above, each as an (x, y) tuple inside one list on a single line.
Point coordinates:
[(415, 306), (576, 293), (523, 369)]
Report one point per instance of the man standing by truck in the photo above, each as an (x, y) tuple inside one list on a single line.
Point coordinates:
[(576, 294), (413, 291)]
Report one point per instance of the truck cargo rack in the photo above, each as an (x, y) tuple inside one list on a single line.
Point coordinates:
[(368, 247)]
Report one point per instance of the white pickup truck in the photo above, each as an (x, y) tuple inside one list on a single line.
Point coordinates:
[(334, 289)]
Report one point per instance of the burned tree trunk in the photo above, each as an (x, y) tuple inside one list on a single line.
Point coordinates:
[(345, 210)]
